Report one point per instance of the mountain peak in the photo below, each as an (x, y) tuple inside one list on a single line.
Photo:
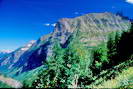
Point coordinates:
[(5, 51), (96, 23), (26, 47)]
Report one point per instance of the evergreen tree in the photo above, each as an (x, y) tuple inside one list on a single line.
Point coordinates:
[(112, 46), (67, 68), (78, 62), (51, 77), (100, 59)]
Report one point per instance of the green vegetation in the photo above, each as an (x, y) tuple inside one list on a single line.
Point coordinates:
[(123, 80), (3, 85), (76, 66), (28, 77), (66, 67)]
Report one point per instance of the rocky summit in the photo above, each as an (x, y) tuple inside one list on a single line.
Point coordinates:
[(92, 29)]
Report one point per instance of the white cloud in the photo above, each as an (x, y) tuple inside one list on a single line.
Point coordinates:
[(49, 24), (54, 24), (46, 24), (129, 1), (78, 13)]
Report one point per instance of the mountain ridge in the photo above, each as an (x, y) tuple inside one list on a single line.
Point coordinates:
[(92, 28)]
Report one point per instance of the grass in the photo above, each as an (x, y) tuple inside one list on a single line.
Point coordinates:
[(106, 78), (123, 80)]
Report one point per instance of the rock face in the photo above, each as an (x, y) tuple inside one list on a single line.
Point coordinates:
[(93, 26), (92, 29), (4, 53)]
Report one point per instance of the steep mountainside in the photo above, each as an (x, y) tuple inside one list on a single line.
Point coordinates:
[(3, 53), (7, 61), (11, 82), (92, 29)]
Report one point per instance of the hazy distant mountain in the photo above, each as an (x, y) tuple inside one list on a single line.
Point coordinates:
[(92, 29), (4, 52), (8, 60)]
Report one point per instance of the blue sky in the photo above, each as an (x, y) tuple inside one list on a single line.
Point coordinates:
[(25, 20)]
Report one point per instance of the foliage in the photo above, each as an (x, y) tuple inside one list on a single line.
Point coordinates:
[(68, 67), (113, 53), (125, 45), (3, 85), (79, 58), (100, 58), (51, 76), (123, 80), (120, 46), (105, 54), (112, 45)]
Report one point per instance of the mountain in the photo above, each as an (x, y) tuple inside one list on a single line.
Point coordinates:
[(4, 52), (92, 29), (7, 61)]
